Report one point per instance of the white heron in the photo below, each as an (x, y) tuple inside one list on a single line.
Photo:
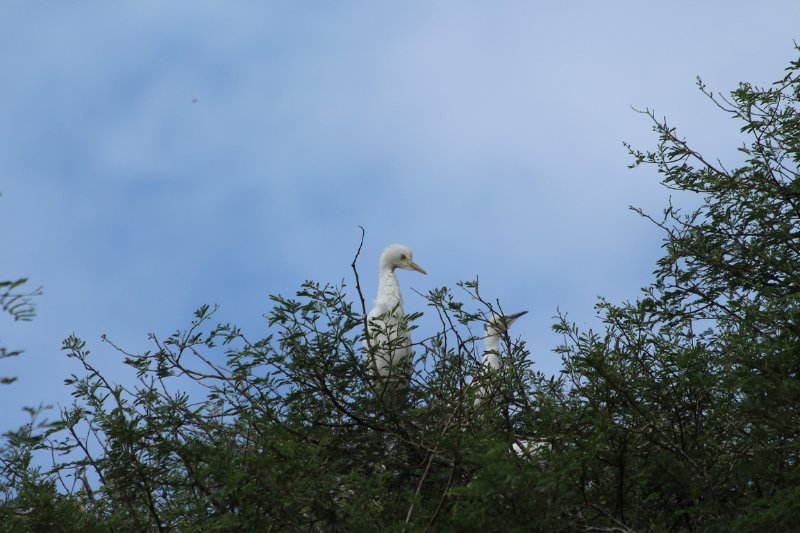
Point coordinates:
[(388, 346), (495, 327), (492, 361)]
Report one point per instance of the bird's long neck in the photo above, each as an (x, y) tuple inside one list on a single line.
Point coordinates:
[(491, 344), (389, 291)]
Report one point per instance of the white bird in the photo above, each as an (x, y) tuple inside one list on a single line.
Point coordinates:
[(495, 326), (530, 449), (388, 346)]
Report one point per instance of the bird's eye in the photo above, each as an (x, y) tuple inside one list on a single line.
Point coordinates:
[(403, 257)]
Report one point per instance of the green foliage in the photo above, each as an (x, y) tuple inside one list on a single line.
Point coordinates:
[(20, 306), (16, 303), (679, 414), (286, 433)]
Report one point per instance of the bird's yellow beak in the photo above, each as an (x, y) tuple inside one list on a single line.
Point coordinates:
[(413, 266)]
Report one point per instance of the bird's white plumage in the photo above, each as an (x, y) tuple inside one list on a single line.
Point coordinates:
[(495, 326), (529, 449), (388, 346)]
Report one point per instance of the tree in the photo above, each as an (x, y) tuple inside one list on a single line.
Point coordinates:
[(681, 414), (288, 434), (20, 306), (696, 382), (15, 455)]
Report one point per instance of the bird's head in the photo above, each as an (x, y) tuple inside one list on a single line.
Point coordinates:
[(499, 323), (399, 256)]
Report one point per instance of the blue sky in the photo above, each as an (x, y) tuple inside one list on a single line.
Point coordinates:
[(156, 156)]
